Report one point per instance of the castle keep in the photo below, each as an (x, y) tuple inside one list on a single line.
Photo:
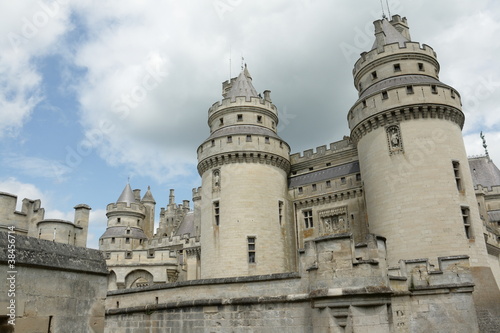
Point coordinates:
[(391, 229)]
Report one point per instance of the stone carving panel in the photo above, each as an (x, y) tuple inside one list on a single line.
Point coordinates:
[(394, 139), (334, 221)]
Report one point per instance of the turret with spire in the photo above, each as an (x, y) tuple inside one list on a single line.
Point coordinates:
[(244, 158)]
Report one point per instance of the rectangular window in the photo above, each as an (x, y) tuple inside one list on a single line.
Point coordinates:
[(118, 220), (328, 183), (259, 119), (127, 240), (300, 190), (213, 143), (273, 125), (456, 172), (249, 138), (466, 219), (229, 139), (128, 255), (128, 232), (434, 89), (280, 211), (112, 240), (108, 255), (221, 121), (421, 67), (385, 95), (374, 75), (397, 67), (358, 177), (266, 139), (308, 219), (216, 212), (409, 89), (314, 187), (342, 180), (239, 117), (364, 103), (251, 250), (452, 93)]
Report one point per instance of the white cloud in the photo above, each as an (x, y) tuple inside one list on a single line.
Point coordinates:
[(37, 167)]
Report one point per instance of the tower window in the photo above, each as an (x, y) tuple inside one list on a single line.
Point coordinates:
[(364, 103), (273, 125), (127, 240), (239, 117), (259, 119), (358, 177), (128, 255), (314, 187), (434, 89), (308, 219), (421, 67), (221, 121), (397, 67), (229, 139), (249, 138), (328, 183), (300, 190), (213, 143), (385, 95), (266, 139), (118, 220), (128, 231), (251, 250), (374, 75), (452, 93), (281, 144), (216, 212), (456, 172), (112, 240), (138, 222), (360, 86), (409, 89), (342, 180), (280, 211), (466, 219)]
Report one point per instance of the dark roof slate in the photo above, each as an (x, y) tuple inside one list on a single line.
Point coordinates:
[(325, 174)]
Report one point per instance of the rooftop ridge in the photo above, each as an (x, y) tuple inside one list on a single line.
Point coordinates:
[(242, 101), (391, 49), (321, 150)]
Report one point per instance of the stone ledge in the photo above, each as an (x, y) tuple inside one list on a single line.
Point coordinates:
[(41, 253), (202, 282)]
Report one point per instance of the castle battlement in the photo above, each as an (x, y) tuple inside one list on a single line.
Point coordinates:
[(321, 151), (122, 206), (419, 274), (244, 102), (395, 50)]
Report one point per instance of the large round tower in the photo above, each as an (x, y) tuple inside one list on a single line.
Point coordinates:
[(407, 125), (244, 166)]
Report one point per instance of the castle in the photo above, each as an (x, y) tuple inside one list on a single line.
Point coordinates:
[(391, 229)]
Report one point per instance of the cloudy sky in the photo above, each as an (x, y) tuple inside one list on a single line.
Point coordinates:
[(94, 92)]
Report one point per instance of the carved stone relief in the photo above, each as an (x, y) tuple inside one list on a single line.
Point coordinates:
[(216, 180), (394, 139), (334, 221)]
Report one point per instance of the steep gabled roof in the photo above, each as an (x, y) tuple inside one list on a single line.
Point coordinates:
[(148, 196), (484, 172)]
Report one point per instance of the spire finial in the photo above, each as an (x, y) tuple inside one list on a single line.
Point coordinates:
[(485, 146), (383, 12), (128, 180)]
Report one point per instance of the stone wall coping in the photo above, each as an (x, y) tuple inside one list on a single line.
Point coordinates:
[(40, 253), (214, 281)]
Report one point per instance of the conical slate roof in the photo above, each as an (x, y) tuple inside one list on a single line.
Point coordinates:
[(127, 195), (242, 86), (389, 35), (484, 172), (148, 196)]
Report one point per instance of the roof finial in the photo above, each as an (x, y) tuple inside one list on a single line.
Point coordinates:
[(128, 180), (485, 146), (242, 62), (388, 8), (383, 12)]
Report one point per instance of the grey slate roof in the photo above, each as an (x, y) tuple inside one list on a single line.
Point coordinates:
[(242, 86), (187, 225), (401, 80), (392, 35), (325, 174), (494, 215), (122, 232), (243, 130), (148, 196), (127, 195), (484, 172)]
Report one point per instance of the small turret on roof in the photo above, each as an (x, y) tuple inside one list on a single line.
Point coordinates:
[(240, 86), (388, 32), (127, 195), (148, 196)]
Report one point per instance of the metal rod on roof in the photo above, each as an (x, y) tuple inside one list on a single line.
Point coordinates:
[(388, 8), (383, 12)]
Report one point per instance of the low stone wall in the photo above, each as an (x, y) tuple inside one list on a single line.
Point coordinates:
[(57, 287)]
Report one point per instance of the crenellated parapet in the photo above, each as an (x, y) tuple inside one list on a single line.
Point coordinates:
[(244, 157), (120, 207), (332, 149), (419, 275), (242, 101)]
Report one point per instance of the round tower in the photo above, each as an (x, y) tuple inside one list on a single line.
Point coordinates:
[(407, 125), (244, 166), (125, 223)]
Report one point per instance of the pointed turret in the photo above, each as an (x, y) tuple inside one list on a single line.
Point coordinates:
[(240, 86), (386, 33), (149, 221), (148, 196), (127, 195)]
